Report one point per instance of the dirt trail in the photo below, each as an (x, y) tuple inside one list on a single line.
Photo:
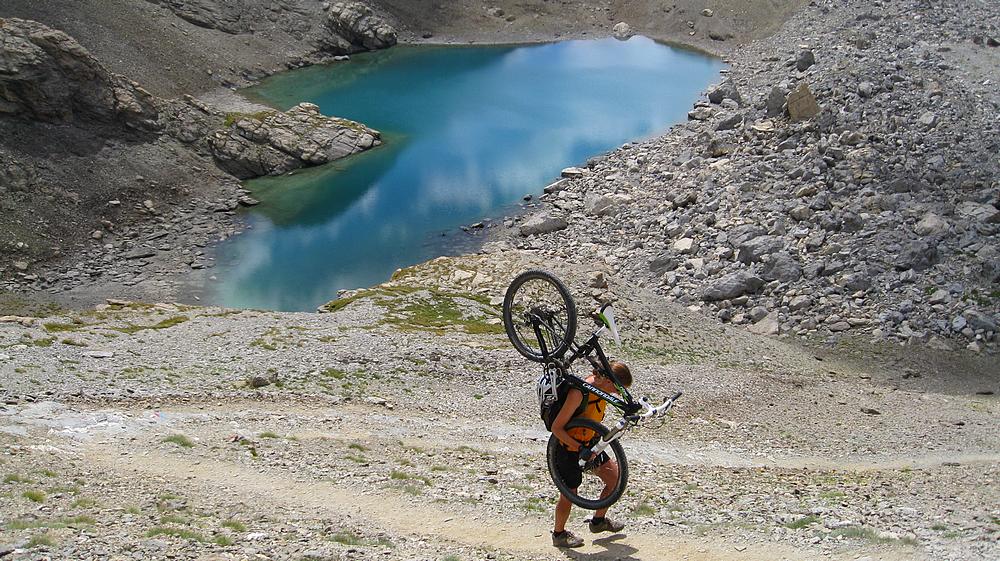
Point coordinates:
[(416, 517)]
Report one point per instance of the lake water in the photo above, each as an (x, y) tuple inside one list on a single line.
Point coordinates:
[(467, 132)]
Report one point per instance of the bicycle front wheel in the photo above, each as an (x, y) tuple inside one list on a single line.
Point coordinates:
[(596, 486), (539, 315)]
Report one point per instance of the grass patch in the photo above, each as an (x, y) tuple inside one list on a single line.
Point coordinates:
[(41, 540), (352, 539), (413, 490), (180, 440), (173, 519), (403, 476), (358, 447), (132, 328), (643, 509), (235, 116), (802, 522), (358, 459), (451, 557), (84, 502), (535, 504), (56, 327), (34, 496), (223, 540), (334, 373), (15, 478), (133, 510), (268, 435), (234, 525), (53, 523), (182, 533), (869, 534)]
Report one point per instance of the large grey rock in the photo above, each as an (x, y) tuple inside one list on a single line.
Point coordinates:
[(732, 286), (775, 104), (543, 224), (768, 325), (804, 60), (978, 212), (599, 205), (360, 25), (273, 143), (781, 267), (917, 255), (725, 90), (226, 16), (663, 263), (754, 250), (930, 225), (47, 75), (978, 320)]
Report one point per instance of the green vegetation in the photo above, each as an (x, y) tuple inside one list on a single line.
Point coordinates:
[(56, 327), (132, 328), (233, 117), (223, 540), (424, 309), (268, 434), (173, 519), (352, 539), (84, 502), (403, 476), (536, 504), (52, 523), (180, 440), (643, 509), (869, 534), (451, 557), (802, 522), (234, 525), (15, 478), (133, 510), (334, 373), (41, 540), (182, 533), (358, 447), (34, 495)]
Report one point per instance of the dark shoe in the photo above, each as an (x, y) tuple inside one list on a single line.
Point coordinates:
[(566, 539), (606, 525)]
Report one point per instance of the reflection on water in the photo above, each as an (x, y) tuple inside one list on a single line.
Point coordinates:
[(468, 131)]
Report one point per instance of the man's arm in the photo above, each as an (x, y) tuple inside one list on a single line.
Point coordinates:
[(573, 400)]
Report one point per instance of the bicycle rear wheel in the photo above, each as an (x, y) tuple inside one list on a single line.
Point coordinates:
[(592, 493), (539, 299)]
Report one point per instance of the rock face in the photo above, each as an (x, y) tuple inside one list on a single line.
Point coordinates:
[(360, 25), (46, 75), (273, 143)]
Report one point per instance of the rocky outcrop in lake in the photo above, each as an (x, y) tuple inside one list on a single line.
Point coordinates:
[(273, 143), (360, 26), (834, 182)]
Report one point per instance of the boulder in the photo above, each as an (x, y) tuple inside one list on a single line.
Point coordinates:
[(273, 143), (978, 320), (622, 31), (978, 212), (599, 205), (804, 60), (732, 286), (730, 122), (543, 224), (725, 90), (781, 267), (930, 225), (801, 103), (917, 255), (360, 25), (663, 263), (754, 250), (685, 246), (775, 104)]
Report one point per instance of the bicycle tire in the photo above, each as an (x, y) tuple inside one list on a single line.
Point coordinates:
[(614, 451), (539, 289)]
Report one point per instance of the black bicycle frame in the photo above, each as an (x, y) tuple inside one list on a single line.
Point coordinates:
[(626, 404)]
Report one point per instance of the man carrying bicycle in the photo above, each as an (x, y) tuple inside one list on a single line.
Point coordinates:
[(568, 453)]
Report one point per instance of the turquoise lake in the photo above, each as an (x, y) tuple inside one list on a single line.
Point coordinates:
[(467, 132)]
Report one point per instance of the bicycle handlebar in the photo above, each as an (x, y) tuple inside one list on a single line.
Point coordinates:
[(649, 411)]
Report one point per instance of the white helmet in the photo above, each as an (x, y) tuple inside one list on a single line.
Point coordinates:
[(547, 386)]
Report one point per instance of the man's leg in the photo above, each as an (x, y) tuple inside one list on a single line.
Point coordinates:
[(562, 512), (608, 472)]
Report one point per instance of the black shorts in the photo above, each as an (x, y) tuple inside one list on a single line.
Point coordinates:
[(568, 466)]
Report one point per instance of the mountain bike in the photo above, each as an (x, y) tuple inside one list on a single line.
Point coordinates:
[(540, 318)]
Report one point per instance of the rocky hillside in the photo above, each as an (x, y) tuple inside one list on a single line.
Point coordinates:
[(842, 179)]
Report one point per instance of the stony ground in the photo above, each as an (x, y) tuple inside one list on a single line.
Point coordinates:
[(871, 205), (402, 426)]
